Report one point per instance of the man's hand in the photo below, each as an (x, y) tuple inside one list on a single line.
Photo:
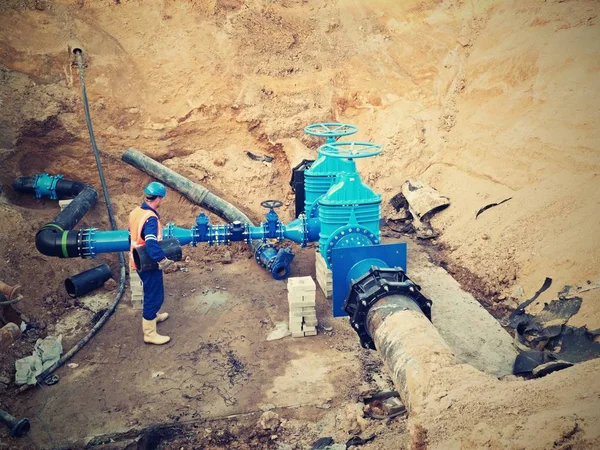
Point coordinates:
[(164, 263)]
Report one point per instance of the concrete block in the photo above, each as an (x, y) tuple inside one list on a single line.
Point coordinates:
[(298, 334), (302, 304), (324, 276), (297, 284), (137, 304), (64, 203), (302, 311), (310, 333)]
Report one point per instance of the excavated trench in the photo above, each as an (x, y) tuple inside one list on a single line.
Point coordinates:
[(484, 102)]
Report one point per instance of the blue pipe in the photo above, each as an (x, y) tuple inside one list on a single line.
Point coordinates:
[(300, 230)]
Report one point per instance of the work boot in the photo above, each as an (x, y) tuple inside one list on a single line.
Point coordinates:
[(161, 317), (150, 334)]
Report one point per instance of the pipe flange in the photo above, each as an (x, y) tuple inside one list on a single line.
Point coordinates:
[(259, 249), (87, 248), (170, 227), (379, 283), (349, 236)]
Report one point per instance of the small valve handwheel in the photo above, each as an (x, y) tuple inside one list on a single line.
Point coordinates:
[(270, 204)]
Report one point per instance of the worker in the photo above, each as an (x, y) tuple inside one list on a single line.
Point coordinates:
[(145, 229)]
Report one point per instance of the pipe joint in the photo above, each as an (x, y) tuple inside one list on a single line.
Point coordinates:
[(375, 285), (45, 185)]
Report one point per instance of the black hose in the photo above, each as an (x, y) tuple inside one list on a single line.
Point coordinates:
[(67, 356), (5, 302), (194, 192)]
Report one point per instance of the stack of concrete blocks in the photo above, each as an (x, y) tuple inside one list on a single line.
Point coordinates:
[(137, 290), (64, 203), (301, 299), (324, 278)]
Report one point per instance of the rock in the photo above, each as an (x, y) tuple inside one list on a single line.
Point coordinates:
[(351, 419), (4, 380), (269, 421), (73, 365), (110, 284), (9, 333), (220, 162), (227, 258)]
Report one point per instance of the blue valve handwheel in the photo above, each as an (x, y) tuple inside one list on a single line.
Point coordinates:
[(350, 149), (330, 129)]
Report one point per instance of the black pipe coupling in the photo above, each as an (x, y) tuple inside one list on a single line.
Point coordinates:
[(375, 285)]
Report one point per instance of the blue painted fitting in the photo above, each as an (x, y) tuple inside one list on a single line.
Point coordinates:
[(94, 242), (297, 230), (237, 231), (359, 269), (271, 225), (201, 229), (346, 237), (45, 185), (276, 261), (184, 236), (280, 265), (218, 235), (88, 243), (264, 254), (314, 228)]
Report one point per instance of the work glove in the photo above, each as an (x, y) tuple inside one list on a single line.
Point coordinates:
[(164, 263)]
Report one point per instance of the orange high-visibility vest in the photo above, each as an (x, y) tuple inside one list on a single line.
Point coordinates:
[(137, 219)]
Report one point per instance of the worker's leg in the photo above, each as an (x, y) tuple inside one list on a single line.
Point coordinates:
[(154, 292), (154, 295)]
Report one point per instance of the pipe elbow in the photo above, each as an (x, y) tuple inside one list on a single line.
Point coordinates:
[(46, 241), (51, 240)]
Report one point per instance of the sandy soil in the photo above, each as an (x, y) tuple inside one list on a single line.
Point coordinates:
[(484, 100)]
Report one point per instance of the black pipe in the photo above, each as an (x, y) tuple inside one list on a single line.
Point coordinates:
[(63, 189), (18, 428), (144, 263), (87, 281), (56, 238)]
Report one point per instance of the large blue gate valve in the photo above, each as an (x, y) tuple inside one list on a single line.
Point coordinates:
[(330, 131)]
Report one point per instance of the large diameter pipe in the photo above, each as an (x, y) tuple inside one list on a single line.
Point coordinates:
[(409, 345), (192, 191)]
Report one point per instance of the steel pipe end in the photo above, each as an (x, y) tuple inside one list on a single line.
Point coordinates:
[(21, 428)]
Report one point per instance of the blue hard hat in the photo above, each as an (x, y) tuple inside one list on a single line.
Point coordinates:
[(155, 189)]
